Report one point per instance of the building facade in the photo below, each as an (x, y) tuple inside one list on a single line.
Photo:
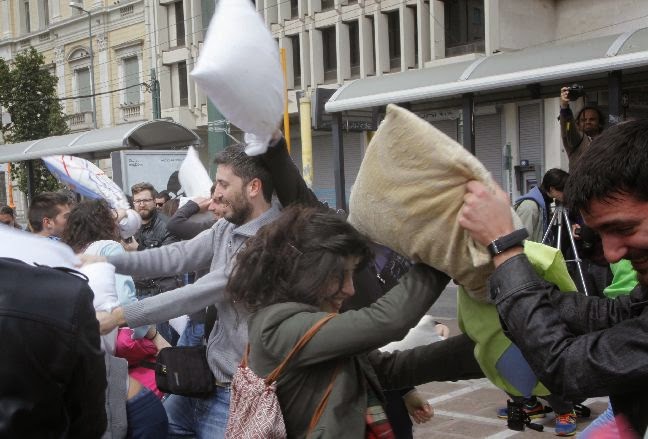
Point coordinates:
[(116, 70), (331, 42)]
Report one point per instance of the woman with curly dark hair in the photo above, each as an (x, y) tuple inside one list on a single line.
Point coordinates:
[(294, 272), (92, 228)]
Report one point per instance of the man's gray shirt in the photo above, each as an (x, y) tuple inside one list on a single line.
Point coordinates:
[(214, 249)]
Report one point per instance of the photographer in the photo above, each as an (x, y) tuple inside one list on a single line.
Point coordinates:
[(577, 133)]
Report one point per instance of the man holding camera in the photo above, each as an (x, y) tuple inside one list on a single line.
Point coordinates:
[(577, 134)]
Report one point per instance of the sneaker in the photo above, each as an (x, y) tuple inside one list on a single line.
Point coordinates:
[(534, 410), (566, 424)]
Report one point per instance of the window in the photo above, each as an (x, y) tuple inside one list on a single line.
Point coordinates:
[(464, 26), (329, 53), (180, 25), (44, 13), (294, 41), (3, 187), (294, 8), (83, 89), (354, 48), (26, 17), (327, 5), (131, 80), (182, 84), (393, 32)]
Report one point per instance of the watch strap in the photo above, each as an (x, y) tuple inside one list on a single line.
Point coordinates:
[(506, 242)]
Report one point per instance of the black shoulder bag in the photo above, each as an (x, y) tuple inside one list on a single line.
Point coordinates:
[(183, 370)]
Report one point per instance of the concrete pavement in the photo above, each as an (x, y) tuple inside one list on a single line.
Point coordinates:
[(467, 409)]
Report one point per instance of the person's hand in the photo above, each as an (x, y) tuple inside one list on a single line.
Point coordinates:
[(576, 228), (485, 214), (202, 202), (419, 409), (160, 342), (110, 321), (130, 244), (442, 330), (90, 259), (564, 97)]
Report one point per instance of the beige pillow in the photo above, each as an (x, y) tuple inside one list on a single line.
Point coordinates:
[(408, 194)]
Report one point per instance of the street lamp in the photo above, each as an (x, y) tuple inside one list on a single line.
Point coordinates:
[(79, 6)]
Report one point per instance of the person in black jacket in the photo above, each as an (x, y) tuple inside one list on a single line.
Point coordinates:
[(582, 346), (153, 234), (52, 373)]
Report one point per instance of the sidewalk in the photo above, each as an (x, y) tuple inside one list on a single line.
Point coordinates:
[(467, 410)]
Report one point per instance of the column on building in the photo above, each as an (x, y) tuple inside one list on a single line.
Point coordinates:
[(437, 31), (366, 32), (342, 44), (381, 35), (102, 78), (424, 37), (407, 18)]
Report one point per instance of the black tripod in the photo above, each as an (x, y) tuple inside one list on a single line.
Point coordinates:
[(560, 215)]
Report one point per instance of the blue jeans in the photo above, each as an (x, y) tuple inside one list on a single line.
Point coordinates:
[(146, 416), (192, 335), (203, 418)]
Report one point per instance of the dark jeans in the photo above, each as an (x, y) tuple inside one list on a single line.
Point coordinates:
[(397, 414), (147, 418)]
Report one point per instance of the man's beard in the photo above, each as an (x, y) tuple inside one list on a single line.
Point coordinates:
[(146, 214), (241, 211)]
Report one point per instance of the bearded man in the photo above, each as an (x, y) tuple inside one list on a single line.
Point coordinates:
[(243, 191)]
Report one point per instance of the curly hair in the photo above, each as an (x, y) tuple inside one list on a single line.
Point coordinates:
[(90, 221), (294, 258)]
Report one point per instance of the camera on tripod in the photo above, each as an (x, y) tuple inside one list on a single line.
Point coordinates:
[(575, 91)]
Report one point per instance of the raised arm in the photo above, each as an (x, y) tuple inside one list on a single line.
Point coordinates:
[(289, 184)]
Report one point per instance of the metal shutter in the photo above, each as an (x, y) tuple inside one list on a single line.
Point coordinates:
[(488, 144), (447, 127), (323, 178), (532, 135)]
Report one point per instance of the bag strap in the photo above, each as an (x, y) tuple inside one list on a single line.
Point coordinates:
[(272, 377), (319, 410)]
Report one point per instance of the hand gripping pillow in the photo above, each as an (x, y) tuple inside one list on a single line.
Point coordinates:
[(408, 194), (239, 70)]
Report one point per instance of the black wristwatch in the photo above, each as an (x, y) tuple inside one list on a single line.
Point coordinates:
[(506, 242)]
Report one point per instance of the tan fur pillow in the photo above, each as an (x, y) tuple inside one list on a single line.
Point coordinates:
[(408, 194)]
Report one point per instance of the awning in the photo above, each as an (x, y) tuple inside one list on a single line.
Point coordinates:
[(96, 144), (533, 65)]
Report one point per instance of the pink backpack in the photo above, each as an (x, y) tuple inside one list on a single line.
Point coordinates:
[(254, 411)]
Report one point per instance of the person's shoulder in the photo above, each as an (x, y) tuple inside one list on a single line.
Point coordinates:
[(39, 284), (273, 315)]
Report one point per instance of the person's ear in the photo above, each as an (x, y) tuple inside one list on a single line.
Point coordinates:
[(254, 187)]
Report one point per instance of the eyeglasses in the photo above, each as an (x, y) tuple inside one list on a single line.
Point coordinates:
[(143, 201), (159, 204)]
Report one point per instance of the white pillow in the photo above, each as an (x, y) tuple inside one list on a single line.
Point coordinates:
[(239, 70)]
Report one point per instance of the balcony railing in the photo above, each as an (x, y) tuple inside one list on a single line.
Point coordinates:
[(131, 112), (80, 121)]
